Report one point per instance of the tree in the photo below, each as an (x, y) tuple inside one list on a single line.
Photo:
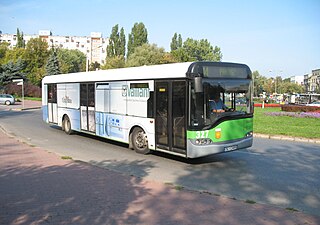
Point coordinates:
[(201, 50), (52, 66), (71, 61), (194, 50), (94, 66), (117, 42), (289, 87), (116, 49), (36, 56), (122, 45), (114, 62), (20, 41), (4, 47), (12, 71), (147, 54), (137, 37), (176, 42), (259, 82)]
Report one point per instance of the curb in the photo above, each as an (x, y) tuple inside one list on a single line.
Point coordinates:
[(24, 109), (286, 138)]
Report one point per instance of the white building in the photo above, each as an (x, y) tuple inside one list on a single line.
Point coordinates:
[(297, 80), (312, 81), (94, 46)]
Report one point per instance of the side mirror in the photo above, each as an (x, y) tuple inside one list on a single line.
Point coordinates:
[(198, 86)]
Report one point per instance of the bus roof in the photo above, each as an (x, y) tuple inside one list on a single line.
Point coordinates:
[(163, 71), (174, 70)]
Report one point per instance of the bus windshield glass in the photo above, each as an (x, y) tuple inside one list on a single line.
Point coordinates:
[(220, 98)]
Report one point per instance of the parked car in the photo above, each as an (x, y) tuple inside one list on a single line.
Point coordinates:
[(314, 104), (7, 99)]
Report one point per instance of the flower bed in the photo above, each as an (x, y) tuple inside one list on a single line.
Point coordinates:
[(295, 114)]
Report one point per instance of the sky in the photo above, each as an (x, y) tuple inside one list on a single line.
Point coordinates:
[(274, 37)]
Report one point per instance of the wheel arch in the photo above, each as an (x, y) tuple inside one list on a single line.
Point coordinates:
[(63, 117)]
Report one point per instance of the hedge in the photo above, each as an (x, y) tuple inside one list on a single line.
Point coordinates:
[(299, 108)]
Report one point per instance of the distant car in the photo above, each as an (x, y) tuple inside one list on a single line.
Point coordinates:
[(7, 99), (314, 104), (241, 101)]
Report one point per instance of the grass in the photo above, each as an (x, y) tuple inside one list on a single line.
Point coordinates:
[(66, 157), (32, 98), (292, 209), (285, 125), (250, 201)]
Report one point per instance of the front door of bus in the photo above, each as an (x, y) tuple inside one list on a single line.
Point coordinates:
[(87, 103), (171, 115)]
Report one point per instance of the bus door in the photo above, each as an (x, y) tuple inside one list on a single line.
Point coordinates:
[(87, 104), (171, 115), (52, 103)]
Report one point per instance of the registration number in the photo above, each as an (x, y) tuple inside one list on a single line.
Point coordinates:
[(230, 148)]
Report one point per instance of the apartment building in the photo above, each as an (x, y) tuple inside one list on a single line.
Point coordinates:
[(93, 46), (312, 81)]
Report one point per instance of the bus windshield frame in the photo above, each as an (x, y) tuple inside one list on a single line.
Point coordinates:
[(235, 95)]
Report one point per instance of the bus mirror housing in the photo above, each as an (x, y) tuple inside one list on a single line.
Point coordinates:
[(198, 87)]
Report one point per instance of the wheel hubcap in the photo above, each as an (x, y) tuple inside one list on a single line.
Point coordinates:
[(141, 140)]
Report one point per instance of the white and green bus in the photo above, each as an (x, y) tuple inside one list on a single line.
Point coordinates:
[(161, 108)]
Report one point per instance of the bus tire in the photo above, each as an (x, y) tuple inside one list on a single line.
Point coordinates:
[(140, 141), (66, 125)]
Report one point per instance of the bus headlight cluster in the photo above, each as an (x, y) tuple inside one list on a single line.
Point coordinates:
[(249, 134), (203, 141)]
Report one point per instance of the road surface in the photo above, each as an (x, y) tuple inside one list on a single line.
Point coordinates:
[(280, 173)]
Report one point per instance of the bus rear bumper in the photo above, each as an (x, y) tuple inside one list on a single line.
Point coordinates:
[(195, 151)]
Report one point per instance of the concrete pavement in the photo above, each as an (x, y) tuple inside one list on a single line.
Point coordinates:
[(18, 106), (39, 187)]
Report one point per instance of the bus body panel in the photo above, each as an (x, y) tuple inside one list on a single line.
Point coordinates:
[(118, 127), (45, 116), (74, 116), (225, 131), (227, 136)]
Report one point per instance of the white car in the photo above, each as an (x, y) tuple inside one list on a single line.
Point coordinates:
[(314, 104), (7, 99)]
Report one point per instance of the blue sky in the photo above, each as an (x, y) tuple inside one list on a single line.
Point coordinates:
[(278, 35)]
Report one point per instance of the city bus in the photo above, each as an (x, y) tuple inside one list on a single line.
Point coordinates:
[(156, 108)]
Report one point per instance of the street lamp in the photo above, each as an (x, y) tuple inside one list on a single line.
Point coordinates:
[(275, 80)]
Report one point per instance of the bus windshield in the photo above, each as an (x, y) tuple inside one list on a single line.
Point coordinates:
[(220, 98)]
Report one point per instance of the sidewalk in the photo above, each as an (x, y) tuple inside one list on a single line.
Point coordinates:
[(38, 187), (19, 106)]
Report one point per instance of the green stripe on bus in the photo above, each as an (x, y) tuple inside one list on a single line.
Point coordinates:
[(229, 130)]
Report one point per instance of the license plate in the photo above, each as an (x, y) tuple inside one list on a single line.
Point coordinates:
[(230, 148)]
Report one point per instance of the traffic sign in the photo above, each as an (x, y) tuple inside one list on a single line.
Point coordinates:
[(17, 80)]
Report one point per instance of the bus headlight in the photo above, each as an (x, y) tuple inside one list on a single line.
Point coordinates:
[(249, 134), (202, 141)]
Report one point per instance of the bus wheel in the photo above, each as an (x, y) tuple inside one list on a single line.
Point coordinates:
[(140, 141), (66, 125)]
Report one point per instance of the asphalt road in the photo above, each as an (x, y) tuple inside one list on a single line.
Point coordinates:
[(281, 173)]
